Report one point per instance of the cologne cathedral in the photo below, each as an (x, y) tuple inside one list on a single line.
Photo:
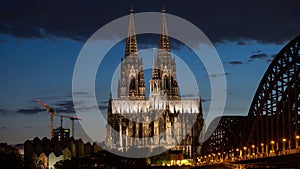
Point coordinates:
[(162, 120)]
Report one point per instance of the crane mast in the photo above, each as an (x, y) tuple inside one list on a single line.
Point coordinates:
[(72, 118)]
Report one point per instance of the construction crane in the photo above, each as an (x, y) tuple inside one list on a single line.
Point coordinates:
[(72, 118), (52, 112)]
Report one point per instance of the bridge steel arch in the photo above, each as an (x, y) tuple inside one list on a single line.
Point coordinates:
[(273, 118)]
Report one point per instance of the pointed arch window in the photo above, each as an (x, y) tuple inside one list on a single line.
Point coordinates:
[(132, 83), (166, 82)]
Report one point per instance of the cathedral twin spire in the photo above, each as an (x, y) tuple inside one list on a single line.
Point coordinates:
[(131, 84)]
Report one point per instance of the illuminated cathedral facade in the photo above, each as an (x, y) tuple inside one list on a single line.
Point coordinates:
[(162, 120)]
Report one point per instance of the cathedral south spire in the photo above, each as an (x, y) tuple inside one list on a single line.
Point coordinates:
[(131, 43), (164, 81)]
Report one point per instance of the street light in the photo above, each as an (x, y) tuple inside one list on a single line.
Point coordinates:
[(272, 143), (297, 141), (253, 149), (262, 147), (219, 156), (245, 152), (237, 154), (283, 144)]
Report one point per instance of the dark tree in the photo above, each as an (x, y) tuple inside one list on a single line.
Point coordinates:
[(10, 157)]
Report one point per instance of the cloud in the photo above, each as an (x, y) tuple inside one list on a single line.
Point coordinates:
[(67, 106), (218, 75), (28, 127), (3, 111), (80, 19), (64, 107), (31, 111), (235, 63), (190, 95), (103, 104), (102, 107), (273, 56), (260, 56), (229, 91), (257, 51), (60, 107), (81, 93), (240, 43), (205, 100), (3, 127)]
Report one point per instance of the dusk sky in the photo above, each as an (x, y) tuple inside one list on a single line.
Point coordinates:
[(41, 40)]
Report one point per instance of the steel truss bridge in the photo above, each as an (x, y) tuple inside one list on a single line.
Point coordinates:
[(272, 126)]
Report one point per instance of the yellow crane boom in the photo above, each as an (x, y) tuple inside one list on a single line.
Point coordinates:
[(52, 112)]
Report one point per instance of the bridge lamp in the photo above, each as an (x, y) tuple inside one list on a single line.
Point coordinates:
[(253, 149), (284, 139), (237, 149), (245, 149), (262, 147), (272, 142), (297, 137)]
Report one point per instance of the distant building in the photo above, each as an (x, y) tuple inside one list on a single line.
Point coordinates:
[(163, 120), (49, 152), (61, 133), (226, 136)]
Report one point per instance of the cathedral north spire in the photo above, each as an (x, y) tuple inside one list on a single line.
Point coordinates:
[(131, 43)]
